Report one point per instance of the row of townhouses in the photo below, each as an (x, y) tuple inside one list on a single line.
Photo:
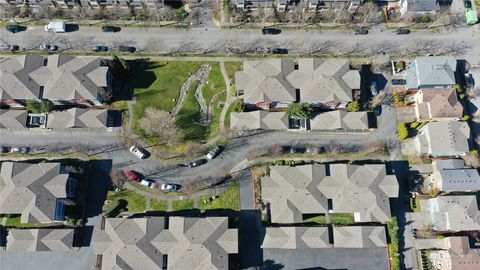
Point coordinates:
[(86, 3)]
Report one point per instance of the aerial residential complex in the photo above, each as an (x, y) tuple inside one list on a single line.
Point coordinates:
[(239, 134)]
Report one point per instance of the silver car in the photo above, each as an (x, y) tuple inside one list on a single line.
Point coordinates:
[(138, 152)]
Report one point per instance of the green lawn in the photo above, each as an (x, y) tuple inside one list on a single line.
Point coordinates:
[(229, 110), (182, 205), (334, 219), (14, 221), (189, 113), (135, 202), (159, 85), (227, 200), (158, 205), (231, 68), (477, 3), (392, 228), (216, 84)]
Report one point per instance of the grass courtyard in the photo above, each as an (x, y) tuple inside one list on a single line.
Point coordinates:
[(334, 219), (227, 200), (159, 87)]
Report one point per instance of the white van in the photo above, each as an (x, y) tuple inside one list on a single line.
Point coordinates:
[(56, 27)]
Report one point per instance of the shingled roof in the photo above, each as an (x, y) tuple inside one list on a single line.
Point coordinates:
[(276, 80), (325, 80), (443, 138), (13, 119), (59, 76), (359, 237), (361, 190), (188, 243), (438, 103), (339, 120), (266, 81), (452, 175), (259, 120), (31, 190), (296, 237), (40, 240), (447, 213), (77, 118), (431, 71)]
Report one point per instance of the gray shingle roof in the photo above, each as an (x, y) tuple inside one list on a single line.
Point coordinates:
[(189, 243), (296, 237), (259, 120), (431, 71), (63, 77), (266, 81), (77, 118), (40, 240), (359, 237), (13, 119), (325, 80), (31, 190), (444, 138), (448, 213), (362, 190), (339, 120), (277, 80)]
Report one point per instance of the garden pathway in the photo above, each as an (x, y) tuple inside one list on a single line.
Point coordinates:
[(202, 75), (229, 99)]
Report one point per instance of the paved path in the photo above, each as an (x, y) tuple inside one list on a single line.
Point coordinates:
[(229, 99)]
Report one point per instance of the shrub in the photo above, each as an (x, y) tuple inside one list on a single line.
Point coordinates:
[(299, 110), (35, 106), (414, 124), (46, 106), (353, 106), (462, 96), (279, 162), (238, 105), (465, 118), (110, 209), (421, 125), (402, 131)]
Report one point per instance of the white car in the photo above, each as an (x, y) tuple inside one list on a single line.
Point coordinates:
[(169, 187), (147, 183), (139, 153)]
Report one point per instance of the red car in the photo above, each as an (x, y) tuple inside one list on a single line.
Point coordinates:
[(133, 175)]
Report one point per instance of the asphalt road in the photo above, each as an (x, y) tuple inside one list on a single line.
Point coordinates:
[(200, 40)]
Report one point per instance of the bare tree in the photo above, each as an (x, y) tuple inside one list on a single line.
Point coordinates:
[(298, 14), (117, 178), (472, 159), (379, 99), (160, 124), (368, 12), (473, 92)]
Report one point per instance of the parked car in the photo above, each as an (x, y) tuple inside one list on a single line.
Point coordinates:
[(399, 82), (111, 28), (196, 163), (401, 31), (133, 175), (360, 32), (14, 150), (3, 149), (279, 51), (169, 187), (271, 31), (214, 152), (128, 49), (24, 149), (147, 183), (378, 110), (138, 152), (9, 48), (232, 50), (100, 48), (55, 27), (49, 47), (467, 4), (15, 28)]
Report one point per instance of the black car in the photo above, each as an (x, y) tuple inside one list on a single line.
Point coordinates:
[(215, 152), (467, 4), (399, 82), (4, 149), (401, 31), (279, 51), (271, 31), (25, 150), (49, 47), (196, 163), (15, 28), (128, 49), (100, 48), (360, 32), (378, 110), (111, 28)]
